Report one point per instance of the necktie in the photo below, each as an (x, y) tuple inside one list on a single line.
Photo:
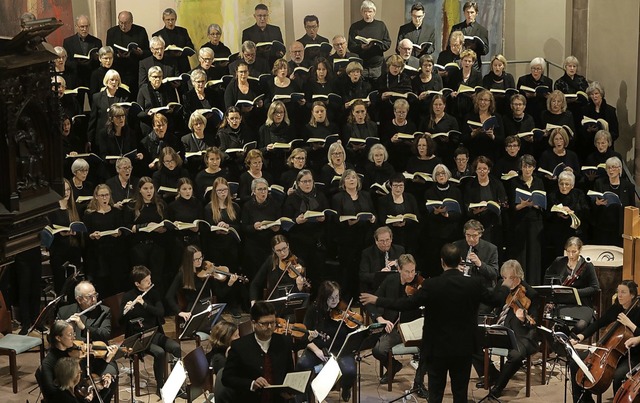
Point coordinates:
[(503, 314), (386, 259), (267, 374)]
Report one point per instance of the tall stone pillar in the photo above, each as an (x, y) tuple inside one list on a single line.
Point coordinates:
[(579, 31), (105, 18)]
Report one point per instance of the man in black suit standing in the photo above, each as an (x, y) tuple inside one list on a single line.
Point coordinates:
[(311, 37), (480, 256), (383, 256), (81, 43), (450, 303), (261, 31), (372, 53), (156, 59), (470, 27), (178, 36), (259, 359), (417, 32), (126, 62)]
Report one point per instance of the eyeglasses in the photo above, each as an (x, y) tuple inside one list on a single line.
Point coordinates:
[(91, 296), (337, 154), (281, 250), (397, 185), (103, 195), (262, 189), (266, 324), (222, 190), (299, 158), (472, 235), (306, 181), (207, 59), (198, 259), (512, 146), (127, 168)]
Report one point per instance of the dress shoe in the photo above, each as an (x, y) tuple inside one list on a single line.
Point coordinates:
[(420, 390), (346, 394), (397, 366)]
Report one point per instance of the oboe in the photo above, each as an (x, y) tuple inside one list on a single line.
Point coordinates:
[(126, 310), (467, 263)]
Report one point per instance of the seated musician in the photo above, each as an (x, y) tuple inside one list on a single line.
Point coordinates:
[(191, 285), (61, 341), (319, 318), (142, 310), (626, 312), (68, 374), (259, 359), (96, 321), (574, 271), (394, 286), (276, 274), (517, 319), (220, 338), (383, 256)]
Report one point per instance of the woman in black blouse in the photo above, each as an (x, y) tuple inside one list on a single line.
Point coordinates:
[(608, 217), (318, 319), (377, 170), (106, 263), (352, 235), (196, 142), (598, 108), (276, 129), (571, 82), (307, 236), (186, 208), (559, 140), (426, 81), (154, 142), (199, 96), (319, 127), (486, 188), (120, 140), (560, 226), (424, 160), (439, 121), (220, 50), (259, 208), (499, 79), (241, 92), (462, 103), (80, 187), (399, 148), (155, 94), (204, 179), (525, 229), (352, 85), (148, 247), (67, 245), (334, 169), (359, 126), (477, 139), (233, 133), (102, 101), (254, 163), (450, 55), (536, 100), (281, 84), (399, 202), (517, 121), (603, 151), (170, 171), (394, 80), (297, 160), (440, 225), (557, 114), (322, 81)]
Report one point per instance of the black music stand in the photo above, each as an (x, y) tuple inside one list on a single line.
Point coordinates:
[(362, 339), (286, 306), (133, 345), (494, 336), (46, 317), (198, 319)]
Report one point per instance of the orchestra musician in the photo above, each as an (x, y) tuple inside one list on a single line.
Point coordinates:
[(96, 321), (259, 359), (451, 303), (321, 316), (142, 310), (573, 270), (220, 338), (383, 256), (61, 341), (278, 273), (626, 312), (68, 373), (518, 319)]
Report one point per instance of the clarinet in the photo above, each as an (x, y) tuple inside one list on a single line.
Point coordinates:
[(468, 265)]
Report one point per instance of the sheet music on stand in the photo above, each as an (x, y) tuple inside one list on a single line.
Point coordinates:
[(326, 378), (196, 320), (364, 338), (411, 332), (497, 336), (564, 340), (559, 294), (136, 343), (289, 303), (172, 386), (47, 315)]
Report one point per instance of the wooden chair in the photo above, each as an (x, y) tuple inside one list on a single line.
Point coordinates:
[(13, 345), (199, 376), (245, 328)]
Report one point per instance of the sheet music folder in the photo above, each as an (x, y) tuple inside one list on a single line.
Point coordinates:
[(559, 294)]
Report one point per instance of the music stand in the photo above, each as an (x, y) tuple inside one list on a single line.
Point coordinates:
[(286, 306), (196, 320), (46, 316), (494, 337), (133, 345), (362, 339)]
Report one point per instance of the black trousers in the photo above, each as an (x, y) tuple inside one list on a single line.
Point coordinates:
[(459, 370)]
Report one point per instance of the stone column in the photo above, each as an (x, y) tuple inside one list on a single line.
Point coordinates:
[(105, 18), (579, 31)]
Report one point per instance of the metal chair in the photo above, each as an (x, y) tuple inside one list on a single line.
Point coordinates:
[(398, 349)]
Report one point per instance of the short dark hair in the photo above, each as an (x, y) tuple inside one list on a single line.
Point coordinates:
[(260, 309), (450, 255), (470, 4), (310, 18), (138, 273), (632, 286), (460, 151), (417, 7), (261, 6), (397, 177)]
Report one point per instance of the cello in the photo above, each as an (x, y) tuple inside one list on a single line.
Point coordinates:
[(630, 390), (603, 362)]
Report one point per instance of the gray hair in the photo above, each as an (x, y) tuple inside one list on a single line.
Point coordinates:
[(60, 51), (441, 167), (79, 164), (378, 147), (538, 61), (595, 86), (368, 5), (111, 73), (105, 50), (613, 162), (204, 51), (567, 176), (214, 27), (603, 134), (256, 182), (156, 40), (196, 74), (248, 45), (154, 69)]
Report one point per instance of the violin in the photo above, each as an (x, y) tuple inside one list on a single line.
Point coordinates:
[(293, 269), (351, 319), (519, 300), (84, 388), (296, 330), (412, 287), (97, 349), (220, 273)]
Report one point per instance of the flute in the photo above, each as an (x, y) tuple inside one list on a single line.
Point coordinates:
[(126, 310), (91, 308)]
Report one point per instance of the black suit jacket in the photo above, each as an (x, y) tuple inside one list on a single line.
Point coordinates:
[(97, 321), (179, 36), (245, 364), (488, 255), (127, 63), (392, 288), (451, 303), (98, 118), (372, 261), (417, 36), (73, 45), (168, 70)]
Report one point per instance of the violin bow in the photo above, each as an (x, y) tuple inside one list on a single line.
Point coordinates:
[(344, 316), (276, 284)]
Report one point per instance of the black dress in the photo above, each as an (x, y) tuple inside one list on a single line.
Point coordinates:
[(404, 235), (257, 243)]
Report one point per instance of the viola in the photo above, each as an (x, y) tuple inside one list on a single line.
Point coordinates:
[(293, 269), (97, 349), (221, 273), (519, 300), (351, 319), (629, 392), (295, 330), (413, 287), (604, 360)]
